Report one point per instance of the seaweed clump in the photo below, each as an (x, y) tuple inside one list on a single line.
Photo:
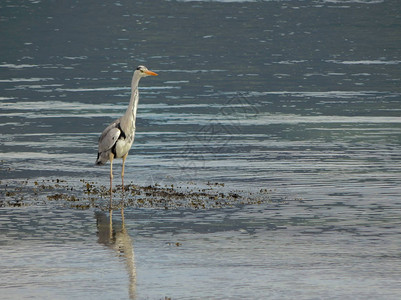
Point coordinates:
[(89, 194)]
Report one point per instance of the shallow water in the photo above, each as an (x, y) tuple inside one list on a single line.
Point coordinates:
[(299, 98), (286, 251)]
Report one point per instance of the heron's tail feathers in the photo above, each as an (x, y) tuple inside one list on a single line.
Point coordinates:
[(102, 158)]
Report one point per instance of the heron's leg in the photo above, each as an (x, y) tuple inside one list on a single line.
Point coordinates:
[(111, 224), (111, 157), (122, 171)]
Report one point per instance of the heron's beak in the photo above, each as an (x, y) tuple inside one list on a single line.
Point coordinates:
[(151, 73)]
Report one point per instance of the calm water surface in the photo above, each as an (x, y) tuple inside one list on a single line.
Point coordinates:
[(298, 97)]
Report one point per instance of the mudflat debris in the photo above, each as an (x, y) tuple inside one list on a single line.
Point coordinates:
[(87, 194)]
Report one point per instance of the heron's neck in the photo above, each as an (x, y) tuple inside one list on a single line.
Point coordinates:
[(133, 103)]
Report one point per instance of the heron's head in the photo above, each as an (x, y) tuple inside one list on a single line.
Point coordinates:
[(143, 71)]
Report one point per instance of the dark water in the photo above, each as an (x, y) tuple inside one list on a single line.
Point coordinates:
[(298, 97)]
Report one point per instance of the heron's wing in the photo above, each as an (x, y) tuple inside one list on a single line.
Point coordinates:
[(109, 137)]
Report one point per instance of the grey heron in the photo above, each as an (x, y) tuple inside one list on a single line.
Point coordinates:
[(116, 140)]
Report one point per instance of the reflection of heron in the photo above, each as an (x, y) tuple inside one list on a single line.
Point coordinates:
[(116, 140), (119, 240)]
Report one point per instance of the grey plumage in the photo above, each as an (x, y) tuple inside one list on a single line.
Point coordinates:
[(108, 140), (117, 139)]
